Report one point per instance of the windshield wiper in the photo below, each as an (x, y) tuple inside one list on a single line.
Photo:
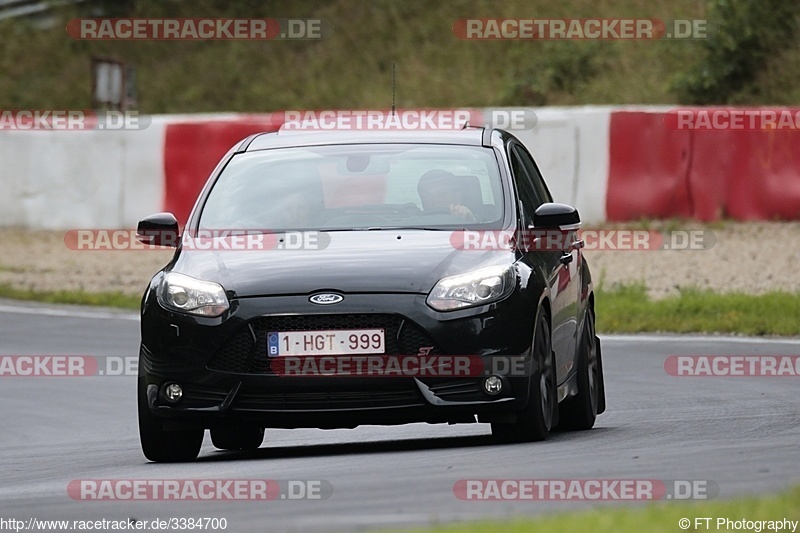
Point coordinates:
[(422, 228), (391, 228)]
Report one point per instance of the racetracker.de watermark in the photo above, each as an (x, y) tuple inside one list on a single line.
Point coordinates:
[(234, 240), (422, 364), (231, 240), (738, 119), (588, 239), (67, 366), (513, 119), (582, 29), (400, 366), (71, 120), (198, 489), (198, 29), (733, 365), (584, 489)]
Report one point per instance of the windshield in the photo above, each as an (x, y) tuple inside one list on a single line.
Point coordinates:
[(349, 187)]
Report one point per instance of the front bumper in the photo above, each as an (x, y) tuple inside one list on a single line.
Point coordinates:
[(222, 366)]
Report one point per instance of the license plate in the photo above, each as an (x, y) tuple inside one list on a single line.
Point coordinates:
[(326, 342)]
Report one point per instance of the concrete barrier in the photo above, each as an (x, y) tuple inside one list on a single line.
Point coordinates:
[(746, 175), (68, 179), (570, 145), (611, 162), (648, 168), (192, 150), (661, 168)]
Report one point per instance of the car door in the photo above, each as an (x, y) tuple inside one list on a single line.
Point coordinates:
[(561, 264)]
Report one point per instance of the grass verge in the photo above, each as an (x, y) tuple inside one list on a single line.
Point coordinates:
[(662, 517), (102, 299), (628, 309)]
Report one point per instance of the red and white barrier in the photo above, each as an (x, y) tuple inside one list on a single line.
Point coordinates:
[(661, 168), (612, 163)]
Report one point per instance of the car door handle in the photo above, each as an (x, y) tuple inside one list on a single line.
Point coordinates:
[(565, 259)]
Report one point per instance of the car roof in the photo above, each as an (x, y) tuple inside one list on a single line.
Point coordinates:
[(472, 136)]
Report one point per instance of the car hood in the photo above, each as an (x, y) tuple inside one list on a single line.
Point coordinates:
[(377, 261)]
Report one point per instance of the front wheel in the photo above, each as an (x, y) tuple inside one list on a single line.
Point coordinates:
[(164, 446), (534, 422), (580, 411)]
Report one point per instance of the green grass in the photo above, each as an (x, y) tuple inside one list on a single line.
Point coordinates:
[(13, 269), (102, 299), (627, 309), (656, 518)]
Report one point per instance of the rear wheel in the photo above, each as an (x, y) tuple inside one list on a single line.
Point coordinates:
[(534, 422), (580, 411), (237, 437), (164, 446)]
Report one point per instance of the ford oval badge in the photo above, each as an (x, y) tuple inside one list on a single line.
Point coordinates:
[(326, 298)]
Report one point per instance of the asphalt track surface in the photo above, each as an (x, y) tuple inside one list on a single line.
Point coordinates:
[(740, 433)]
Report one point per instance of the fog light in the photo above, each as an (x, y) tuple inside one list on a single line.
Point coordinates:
[(493, 385), (173, 393)]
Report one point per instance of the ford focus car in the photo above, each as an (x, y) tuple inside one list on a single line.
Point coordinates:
[(335, 279)]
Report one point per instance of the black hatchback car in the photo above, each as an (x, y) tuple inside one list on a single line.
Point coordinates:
[(334, 279)]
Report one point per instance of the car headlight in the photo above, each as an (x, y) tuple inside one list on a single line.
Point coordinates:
[(474, 288), (184, 294)]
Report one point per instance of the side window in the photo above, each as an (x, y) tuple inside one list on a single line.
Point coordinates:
[(533, 172), (527, 195)]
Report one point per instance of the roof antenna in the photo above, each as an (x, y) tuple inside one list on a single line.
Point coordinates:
[(393, 87)]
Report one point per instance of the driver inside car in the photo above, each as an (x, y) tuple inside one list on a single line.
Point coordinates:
[(440, 193)]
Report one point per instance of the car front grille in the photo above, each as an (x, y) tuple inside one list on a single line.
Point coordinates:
[(245, 352), (320, 400), (202, 396), (460, 390)]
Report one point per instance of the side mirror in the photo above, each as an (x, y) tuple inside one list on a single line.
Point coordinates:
[(556, 216), (160, 229)]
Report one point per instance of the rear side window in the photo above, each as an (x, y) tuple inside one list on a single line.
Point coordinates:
[(526, 194), (531, 196), (535, 177)]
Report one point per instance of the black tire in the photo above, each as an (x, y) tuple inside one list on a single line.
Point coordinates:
[(164, 446), (534, 422), (580, 411), (237, 437)]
